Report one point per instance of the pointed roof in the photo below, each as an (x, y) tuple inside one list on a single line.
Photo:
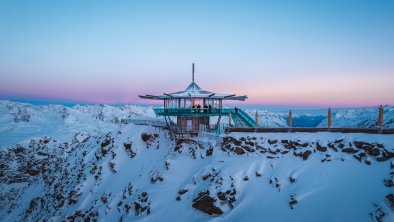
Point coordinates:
[(194, 91), (193, 87)]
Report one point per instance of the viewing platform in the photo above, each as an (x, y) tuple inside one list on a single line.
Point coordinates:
[(194, 106)]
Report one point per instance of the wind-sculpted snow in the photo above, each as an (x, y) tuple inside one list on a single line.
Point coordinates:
[(140, 173), (22, 121), (85, 163)]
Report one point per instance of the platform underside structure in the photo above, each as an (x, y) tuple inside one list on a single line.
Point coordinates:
[(193, 121)]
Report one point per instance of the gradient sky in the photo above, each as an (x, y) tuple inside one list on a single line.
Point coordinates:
[(313, 53)]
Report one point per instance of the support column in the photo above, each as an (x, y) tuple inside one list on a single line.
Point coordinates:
[(329, 118), (290, 119), (257, 120), (380, 118)]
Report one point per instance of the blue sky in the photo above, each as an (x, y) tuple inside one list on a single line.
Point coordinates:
[(330, 53)]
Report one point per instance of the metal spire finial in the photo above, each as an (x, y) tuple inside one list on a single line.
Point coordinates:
[(193, 71)]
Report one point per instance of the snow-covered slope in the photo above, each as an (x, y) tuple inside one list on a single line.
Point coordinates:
[(23, 121), (80, 163)]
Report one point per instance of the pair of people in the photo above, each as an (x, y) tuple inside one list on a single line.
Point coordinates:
[(207, 108), (196, 107)]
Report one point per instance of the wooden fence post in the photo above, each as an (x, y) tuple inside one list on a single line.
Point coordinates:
[(290, 119), (380, 118), (257, 120), (329, 118)]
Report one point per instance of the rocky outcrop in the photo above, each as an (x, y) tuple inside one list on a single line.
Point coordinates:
[(272, 149), (149, 138), (205, 203)]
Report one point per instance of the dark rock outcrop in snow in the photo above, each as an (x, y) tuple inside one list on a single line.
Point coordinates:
[(205, 203)]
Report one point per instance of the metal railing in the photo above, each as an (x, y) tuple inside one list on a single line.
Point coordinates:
[(242, 119), (191, 111), (155, 123)]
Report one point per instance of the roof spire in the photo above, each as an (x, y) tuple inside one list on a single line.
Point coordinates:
[(193, 71)]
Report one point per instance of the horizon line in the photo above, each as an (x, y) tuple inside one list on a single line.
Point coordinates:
[(281, 105)]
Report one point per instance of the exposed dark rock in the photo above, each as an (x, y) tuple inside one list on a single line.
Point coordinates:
[(306, 154), (333, 146), (129, 151), (106, 142), (19, 149), (142, 205), (205, 203), (304, 144), (292, 202), (390, 201), (149, 138), (221, 196), (231, 140), (378, 214), (209, 151), (32, 172), (349, 150), (374, 152), (388, 182), (290, 144), (249, 143), (239, 150), (275, 182), (363, 145), (321, 148), (227, 197), (272, 141), (248, 149), (111, 166), (183, 191), (357, 157), (156, 177), (385, 155)]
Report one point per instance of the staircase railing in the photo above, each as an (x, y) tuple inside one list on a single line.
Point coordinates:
[(242, 119)]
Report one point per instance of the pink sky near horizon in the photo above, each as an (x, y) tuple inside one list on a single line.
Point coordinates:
[(324, 91)]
